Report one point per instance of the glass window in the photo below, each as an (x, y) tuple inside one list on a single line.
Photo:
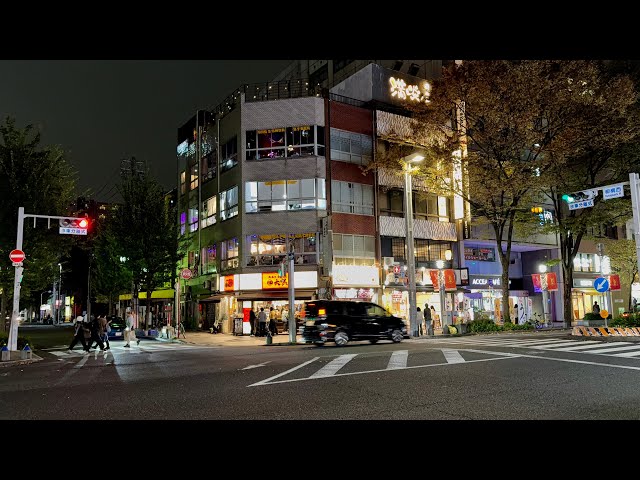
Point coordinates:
[(284, 142), (350, 147), (374, 310), (208, 166), (229, 203), (193, 219), (229, 254), (229, 155), (396, 201), (194, 177), (353, 249), (351, 197), (183, 177), (183, 222), (397, 248), (280, 195), (208, 212), (208, 256)]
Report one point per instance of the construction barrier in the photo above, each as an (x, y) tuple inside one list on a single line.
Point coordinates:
[(605, 332)]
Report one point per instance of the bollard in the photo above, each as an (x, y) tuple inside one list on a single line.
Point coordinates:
[(269, 339), (6, 354), (26, 353)]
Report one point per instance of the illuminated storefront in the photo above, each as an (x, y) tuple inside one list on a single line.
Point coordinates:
[(485, 297), (356, 282)]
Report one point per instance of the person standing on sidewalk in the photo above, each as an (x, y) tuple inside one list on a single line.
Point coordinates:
[(427, 320), (262, 322), (252, 321)]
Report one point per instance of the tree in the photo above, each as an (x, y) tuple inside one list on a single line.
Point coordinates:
[(600, 147), (622, 254), (39, 179), (513, 116), (145, 226)]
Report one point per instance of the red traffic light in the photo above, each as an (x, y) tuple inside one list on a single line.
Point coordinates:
[(83, 223)]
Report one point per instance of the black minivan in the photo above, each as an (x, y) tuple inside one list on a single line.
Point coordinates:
[(340, 321)]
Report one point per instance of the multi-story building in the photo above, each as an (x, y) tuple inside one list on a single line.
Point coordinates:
[(280, 166)]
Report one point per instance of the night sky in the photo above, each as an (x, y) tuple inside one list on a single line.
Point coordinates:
[(101, 111)]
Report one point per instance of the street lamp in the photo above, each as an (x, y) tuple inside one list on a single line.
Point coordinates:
[(59, 314), (411, 263), (542, 268), (440, 264)]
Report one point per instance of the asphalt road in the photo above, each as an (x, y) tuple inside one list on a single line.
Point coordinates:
[(505, 377)]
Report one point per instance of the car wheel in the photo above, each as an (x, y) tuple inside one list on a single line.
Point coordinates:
[(397, 336), (341, 338), (374, 340)]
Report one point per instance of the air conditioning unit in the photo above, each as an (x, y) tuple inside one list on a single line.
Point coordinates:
[(387, 261)]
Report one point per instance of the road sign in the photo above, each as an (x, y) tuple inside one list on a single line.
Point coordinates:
[(72, 231), (604, 313), (16, 256), (583, 204), (601, 284), (613, 191), (186, 273)]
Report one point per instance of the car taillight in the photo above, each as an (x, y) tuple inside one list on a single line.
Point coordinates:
[(322, 311)]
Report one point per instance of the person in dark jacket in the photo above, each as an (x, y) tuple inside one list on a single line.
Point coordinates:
[(94, 325), (78, 335), (252, 321)]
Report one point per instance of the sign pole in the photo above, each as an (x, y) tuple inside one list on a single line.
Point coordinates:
[(634, 181), (292, 298), (13, 331)]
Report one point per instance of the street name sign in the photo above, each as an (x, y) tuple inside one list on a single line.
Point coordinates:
[(613, 191), (583, 204)]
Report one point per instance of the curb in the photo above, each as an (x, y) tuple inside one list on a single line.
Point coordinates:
[(14, 363)]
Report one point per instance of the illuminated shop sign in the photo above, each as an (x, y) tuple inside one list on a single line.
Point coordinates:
[(399, 89), (485, 282), (273, 281)]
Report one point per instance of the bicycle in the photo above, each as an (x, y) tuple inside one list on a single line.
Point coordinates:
[(181, 331)]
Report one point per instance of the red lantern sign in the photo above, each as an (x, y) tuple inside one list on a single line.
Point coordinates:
[(614, 282)]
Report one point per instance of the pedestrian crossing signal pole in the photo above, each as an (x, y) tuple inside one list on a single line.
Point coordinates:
[(13, 330)]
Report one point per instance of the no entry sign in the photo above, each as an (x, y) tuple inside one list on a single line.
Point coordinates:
[(186, 273), (16, 256)]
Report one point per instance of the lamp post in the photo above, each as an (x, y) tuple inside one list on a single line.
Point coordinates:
[(411, 263), (59, 315), (542, 268), (443, 308)]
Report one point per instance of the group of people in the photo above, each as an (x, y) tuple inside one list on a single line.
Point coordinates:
[(428, 317), (94, 332), (265, 322), (91, 333)]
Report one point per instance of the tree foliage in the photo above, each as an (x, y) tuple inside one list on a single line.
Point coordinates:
[(144, 230), (39, 179), (622, 254)]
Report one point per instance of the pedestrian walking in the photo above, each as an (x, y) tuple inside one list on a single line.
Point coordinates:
[(103, 330), (129, 331), (78, 335), (94, 329), (262, 323), (428, 319)]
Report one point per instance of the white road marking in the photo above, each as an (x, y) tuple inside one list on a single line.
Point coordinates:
[(398, 359), (452, 356), (334, 365), (563, 344), (249, 367), (599, 349), (504, 356), (583, 346), (262, 382), (626, 355)]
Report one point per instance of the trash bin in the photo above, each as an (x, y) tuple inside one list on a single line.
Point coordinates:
[(237, 325)]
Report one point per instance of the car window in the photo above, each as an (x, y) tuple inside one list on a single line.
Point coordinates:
[(355, 309), (374, 310)]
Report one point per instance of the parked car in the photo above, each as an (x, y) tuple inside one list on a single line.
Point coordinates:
[(117, 327), (341, 321)]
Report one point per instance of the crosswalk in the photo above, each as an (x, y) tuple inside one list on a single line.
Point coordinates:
[(555, 344), (120, 349)]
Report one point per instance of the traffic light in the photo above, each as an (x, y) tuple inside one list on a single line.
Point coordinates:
[(74, 225), (537, 210), (568, 198)]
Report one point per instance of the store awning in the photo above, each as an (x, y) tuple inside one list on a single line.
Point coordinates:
[(275, 295), (168, 293)]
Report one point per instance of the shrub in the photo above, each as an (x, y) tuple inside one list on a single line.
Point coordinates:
[(632, 320), (593, 316), (22, 341)]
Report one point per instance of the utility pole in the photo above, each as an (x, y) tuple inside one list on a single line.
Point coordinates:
[(634, 182)]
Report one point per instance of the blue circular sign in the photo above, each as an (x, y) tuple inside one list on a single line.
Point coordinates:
[(601, 284)]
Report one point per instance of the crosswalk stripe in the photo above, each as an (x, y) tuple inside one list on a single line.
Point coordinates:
[(627, 354), (561, 344), (398, 359), (613, 349), (334, 365), (452, 356), (584, 346)]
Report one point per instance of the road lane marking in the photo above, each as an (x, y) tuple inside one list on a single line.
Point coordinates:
[(504, 356), (583, 347), (598, 350), (262, 382), (563, 344), (249, 367), (334, 365), (398, 359), (626, 355), (452, 356)]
